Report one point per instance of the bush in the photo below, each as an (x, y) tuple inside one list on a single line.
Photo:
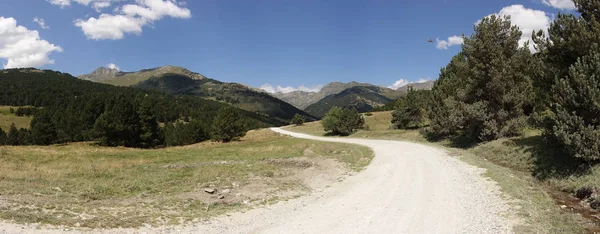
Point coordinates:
[(342, 122), (368, 114), (298, 120), (228, 125)]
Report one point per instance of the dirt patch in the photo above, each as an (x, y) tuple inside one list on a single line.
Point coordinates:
[(295, 177)]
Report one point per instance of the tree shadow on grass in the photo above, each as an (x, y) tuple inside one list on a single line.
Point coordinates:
[(549, 161)]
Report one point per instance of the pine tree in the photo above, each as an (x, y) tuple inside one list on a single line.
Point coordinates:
[(228, 125), (486, 97), (13, 135), (3, 137), (43, 131), (411, 110)]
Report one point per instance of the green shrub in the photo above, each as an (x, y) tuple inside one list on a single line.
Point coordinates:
[(342, 121), (368, 114), (298, 120)]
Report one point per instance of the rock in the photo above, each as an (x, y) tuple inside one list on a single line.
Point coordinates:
[(595, 205), (238, 194), (210, 190), (226, 191), (246, 201), (221, 196), (585, 192), (57, 189), (563, 207), (234, 184)]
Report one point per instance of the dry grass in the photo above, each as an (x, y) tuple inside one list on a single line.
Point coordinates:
[(510, 162), (90, 186), (6, 119)]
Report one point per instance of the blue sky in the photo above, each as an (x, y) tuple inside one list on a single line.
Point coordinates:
[(285, 43)]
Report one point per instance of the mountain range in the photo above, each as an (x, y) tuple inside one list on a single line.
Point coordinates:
[(180, 81)]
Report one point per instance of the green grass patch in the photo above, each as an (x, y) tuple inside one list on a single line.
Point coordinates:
[(7, 118), (118, 187), (523, 167)]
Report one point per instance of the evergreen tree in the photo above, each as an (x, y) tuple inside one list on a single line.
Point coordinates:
[(411, 110), (228, 125), (491, 91), (119, 125), (3, 137), (43, 131), (13, 135), (571, 85)]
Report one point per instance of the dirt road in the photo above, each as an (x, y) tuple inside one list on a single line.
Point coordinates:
[(408, 188)]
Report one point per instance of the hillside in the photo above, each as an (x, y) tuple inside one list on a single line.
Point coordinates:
[(180, 81), (118, 78), (77, 110), (238, 95), (302, 100), (363, 98)]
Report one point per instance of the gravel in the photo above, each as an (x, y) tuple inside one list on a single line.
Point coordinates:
[(407, 188)]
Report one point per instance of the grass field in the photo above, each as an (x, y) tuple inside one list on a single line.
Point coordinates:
[(521, 166), (84, 185), (7, 118)]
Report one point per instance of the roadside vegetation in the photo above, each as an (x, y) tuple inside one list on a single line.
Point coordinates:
[(534, 113), (85, 185)]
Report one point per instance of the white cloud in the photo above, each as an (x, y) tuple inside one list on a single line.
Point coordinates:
[(403, 82), (130, 18), (96, 4), (399, 83), (288, 89), (108, 26), (22, 47), (41, 22), (560, 4), (452, 41), (527, 20), (113, 66)]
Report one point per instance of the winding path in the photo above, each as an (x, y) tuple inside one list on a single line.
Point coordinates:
[(407, 188)]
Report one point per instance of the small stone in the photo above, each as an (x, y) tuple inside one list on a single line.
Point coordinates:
[(238, 194), (563, 207), (226, 191), (210, 190), (57, 189), (221, 196), (246, 201)]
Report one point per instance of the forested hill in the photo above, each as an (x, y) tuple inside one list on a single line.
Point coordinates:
[(180, 81), (72, 108), (235, 94)]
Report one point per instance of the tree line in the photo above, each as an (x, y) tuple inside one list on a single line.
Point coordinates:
[(75, 110), (495, 87)]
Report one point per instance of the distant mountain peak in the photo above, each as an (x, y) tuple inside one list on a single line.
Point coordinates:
[(105, 71)]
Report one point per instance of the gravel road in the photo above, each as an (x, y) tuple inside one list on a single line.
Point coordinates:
[(408, 188)]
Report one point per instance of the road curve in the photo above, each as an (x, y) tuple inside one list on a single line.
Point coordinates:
[(407, 188)]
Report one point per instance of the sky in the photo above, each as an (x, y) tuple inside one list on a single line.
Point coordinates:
[(277, 45)]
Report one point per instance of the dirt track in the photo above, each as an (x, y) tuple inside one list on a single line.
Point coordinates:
[(408, 188)]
